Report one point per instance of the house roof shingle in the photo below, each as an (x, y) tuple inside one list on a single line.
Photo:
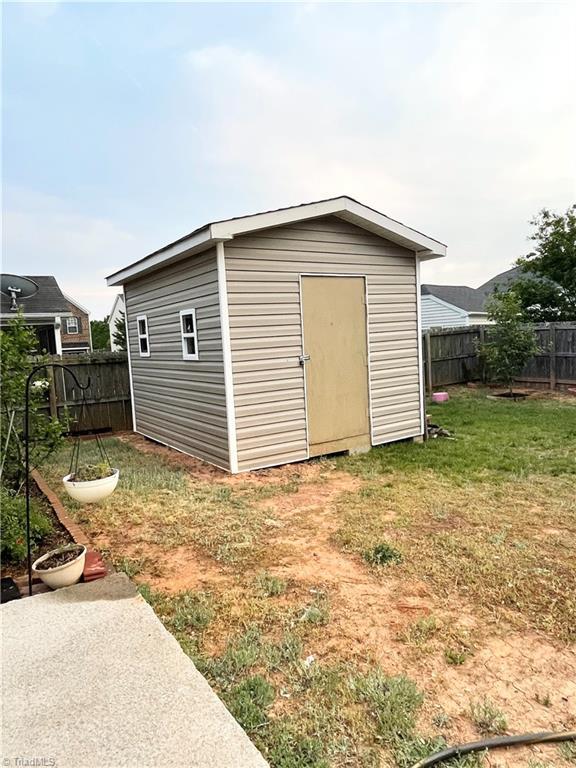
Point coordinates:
[(49, 300), (502, 281), (468, 299)]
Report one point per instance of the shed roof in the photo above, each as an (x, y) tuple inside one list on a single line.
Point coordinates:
[(468, 299), (49, 300), (219, 231)]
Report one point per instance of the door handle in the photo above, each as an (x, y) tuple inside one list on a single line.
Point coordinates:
[(303, 359)]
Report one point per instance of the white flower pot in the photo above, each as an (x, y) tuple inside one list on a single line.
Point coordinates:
[(63, 575), (91, 491)]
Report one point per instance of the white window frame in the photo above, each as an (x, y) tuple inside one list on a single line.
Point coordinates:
[(185, 354), (141, 336), (68, 321)]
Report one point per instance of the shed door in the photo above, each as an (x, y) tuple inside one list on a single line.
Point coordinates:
[(334, 323)]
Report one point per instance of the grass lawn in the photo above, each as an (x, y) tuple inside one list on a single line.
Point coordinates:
[(366, 610)]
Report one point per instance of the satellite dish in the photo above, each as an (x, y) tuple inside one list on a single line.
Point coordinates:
[(16, 287)]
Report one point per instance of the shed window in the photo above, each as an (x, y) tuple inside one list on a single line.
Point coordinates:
[(143, 340), (189, 335), (72, 325)]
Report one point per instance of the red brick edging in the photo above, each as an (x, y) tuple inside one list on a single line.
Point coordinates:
[(77, 534)]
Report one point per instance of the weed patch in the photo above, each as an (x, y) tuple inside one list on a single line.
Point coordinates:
[(488, 719), (382, 554)]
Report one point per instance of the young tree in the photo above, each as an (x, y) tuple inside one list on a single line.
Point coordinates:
[(17, 344), (100, 334), (548, 292), (510, 343), (119, 334)]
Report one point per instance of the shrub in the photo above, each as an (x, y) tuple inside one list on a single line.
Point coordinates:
[(510, 343), (18, 345), (13, 514)]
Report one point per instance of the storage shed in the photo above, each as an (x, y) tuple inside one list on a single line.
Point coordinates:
[(271, 338)]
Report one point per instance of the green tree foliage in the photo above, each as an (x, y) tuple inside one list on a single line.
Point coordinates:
[(100, 333), (510, 343), (548, 293), (119, 334), (17, 345), (542, 301)]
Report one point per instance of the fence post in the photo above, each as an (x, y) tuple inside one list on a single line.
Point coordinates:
[(482, 366), (428, 350), (552, 355), (52, 393)]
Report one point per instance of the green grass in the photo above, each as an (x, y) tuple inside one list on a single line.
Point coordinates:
[(493, 439), (162, 506), (270, 586), (471, 516), (466, 519), (301, 715), (568, 751)]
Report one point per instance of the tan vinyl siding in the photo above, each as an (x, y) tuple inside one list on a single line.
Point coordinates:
[(262, 272), (180, 402)]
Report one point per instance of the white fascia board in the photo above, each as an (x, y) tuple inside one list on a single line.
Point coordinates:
[(188, 246), (119, 298), (424, 246), (344, 207)]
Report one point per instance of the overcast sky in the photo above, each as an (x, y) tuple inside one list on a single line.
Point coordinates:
[(127, 125)]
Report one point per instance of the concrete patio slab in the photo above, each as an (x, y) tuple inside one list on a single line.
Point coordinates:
[(92, 679)]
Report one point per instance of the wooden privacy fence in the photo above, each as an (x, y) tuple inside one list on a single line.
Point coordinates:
[(450, 356), (107, 399)]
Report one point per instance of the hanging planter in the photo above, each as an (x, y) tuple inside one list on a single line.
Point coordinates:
[(91, 483), (61, 567)]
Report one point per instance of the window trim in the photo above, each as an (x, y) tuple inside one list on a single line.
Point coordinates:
[(68, 331), (141, 336), (187, 335)]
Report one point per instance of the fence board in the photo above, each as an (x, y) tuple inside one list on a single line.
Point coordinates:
[(452, 358), (107, 399)]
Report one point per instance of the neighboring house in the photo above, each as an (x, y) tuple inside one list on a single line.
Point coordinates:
[(452, 306), (503, 281), (75, 331), (455, 306), (117, 313), (61, 324), (271, 338)]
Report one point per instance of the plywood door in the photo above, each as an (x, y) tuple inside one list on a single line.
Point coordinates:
[(334, 324)]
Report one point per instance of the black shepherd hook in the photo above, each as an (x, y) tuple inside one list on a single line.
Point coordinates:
[(27, 450)]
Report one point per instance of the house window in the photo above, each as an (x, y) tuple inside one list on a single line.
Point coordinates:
[(189, 335), (143, 340), (72, 325)]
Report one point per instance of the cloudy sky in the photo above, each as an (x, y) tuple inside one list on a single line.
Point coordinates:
[(127, 125)]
